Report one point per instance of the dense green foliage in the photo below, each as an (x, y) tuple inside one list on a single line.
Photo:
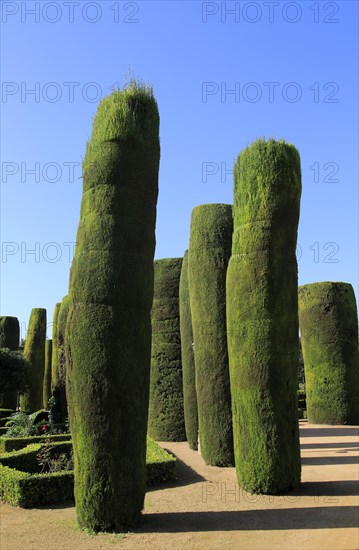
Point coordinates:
[(166, 416), (46, 387), (58, 384), (34, 354), (262, 317), (13, 372), (108, 330), (21, 486), (9, 339), (208, 256), (329, 330), (188, 366), (54, 358), (9, 332)]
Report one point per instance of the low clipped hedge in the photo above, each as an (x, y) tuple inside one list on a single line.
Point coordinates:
[(8, 444), (20, 485)]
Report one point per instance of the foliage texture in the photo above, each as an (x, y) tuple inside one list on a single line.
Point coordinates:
[(208, 256), (166, 416), (108, 329), (329, 330), (34, 354), (188, 365), (262, 317)]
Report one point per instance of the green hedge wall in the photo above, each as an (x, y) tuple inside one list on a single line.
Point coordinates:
[(108, 330), (8, 444), (188, 365), (34, 353), (262, 317), (329, 330), (166, 415), (25, 459), (209, 252), (21, 488)]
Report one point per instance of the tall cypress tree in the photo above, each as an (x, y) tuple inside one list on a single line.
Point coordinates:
[(9, 332), (46, 387), (34, 354), (329, 329), (188, 365), (108, 330), (59, 409), (166, 415), (9, 338), (262, 317), (209, 252)]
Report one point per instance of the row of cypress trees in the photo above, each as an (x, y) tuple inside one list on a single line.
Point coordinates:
[(239, 305)]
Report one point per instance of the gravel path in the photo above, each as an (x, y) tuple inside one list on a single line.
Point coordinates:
[(206, 509)]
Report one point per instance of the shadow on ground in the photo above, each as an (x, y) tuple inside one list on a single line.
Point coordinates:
[(329, 517), (329, 432), (185, 476), (319, 489), (329, 460), (346, 445)]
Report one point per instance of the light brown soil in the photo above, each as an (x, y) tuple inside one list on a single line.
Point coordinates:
[(206, 509)]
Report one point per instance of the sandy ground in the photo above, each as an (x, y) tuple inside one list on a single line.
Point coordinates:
[(206, 509)]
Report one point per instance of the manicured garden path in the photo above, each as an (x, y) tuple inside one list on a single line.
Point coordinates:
[(205, 509)]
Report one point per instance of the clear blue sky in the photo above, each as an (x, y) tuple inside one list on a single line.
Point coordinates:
[(292, 66)]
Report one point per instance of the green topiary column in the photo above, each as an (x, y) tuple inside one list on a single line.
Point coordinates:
[(188, 366), (59, 409), (34, 354), (9, 338), (166, 415), (108, 330), (209, 252), (262, 317), (9, 332), (46, 387), (329, 329)]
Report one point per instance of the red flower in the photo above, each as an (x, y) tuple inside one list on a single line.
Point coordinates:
[(44, 427)]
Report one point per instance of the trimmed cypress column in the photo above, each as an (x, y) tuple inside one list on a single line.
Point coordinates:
[(188, 365), (208, 255), (108, 329), (329, 329), (166, 415), (262, 317)]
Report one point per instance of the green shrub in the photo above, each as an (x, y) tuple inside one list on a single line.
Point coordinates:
[(166, 416), (262, 317), (34, 354), (329, 330), (208, 255), (108, 329), (188, 365)]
